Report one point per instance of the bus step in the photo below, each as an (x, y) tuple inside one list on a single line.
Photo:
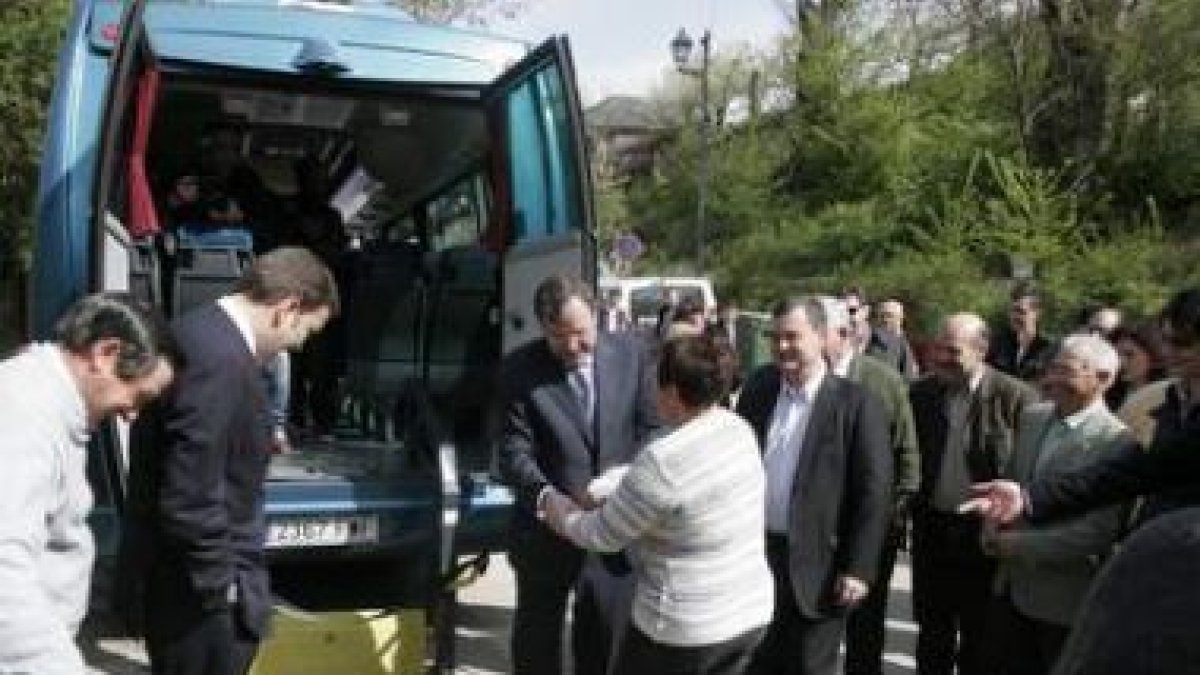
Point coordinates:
[(363, 642)]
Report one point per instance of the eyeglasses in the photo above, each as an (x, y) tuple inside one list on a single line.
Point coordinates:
[(781, 336)]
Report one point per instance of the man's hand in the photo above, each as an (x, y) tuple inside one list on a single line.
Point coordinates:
[(554, 508), (849, 591), (998, 501)]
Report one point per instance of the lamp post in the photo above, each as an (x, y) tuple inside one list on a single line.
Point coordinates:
[(681, 52)]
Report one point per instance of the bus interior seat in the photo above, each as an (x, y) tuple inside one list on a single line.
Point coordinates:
[(207, 264), (383, 319), (145, 282), (464, 334)]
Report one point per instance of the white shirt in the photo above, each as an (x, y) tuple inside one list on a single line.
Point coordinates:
[(240, 320), (46, 548), (842, 367), (785, 441)]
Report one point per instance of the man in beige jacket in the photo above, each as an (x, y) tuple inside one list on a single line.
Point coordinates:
[(1045, 570)]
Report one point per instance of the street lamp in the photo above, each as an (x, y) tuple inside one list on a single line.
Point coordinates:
[(681, 53)]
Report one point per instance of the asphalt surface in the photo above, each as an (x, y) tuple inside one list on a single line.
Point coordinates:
[(484, 619)]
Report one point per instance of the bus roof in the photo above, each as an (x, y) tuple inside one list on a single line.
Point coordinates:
[(375, 41)]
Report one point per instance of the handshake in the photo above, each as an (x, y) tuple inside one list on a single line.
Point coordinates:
[(555, 508), (999, 502)]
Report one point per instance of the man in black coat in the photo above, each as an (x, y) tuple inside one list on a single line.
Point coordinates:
[(1019, 349), (576, 403), (195, 519), (829, 491)]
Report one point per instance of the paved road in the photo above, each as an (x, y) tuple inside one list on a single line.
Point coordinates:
[(487, 610), (486, 614)]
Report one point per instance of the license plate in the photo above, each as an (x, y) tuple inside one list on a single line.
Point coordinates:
[(327, 531)]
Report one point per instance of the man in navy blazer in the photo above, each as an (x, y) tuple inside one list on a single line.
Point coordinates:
[(195, 519), (829, 491), (575, 403)]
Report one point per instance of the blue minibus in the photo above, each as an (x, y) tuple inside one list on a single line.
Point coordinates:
[(456, 163)]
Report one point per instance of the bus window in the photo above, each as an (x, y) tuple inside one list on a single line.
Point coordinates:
[(457, 217), (546, 199)]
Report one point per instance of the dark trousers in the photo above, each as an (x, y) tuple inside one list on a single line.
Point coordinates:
[(795, 644), (639, 655), (214, 644), (546, 577), (866, 630), (952, 591), (1023, 645)]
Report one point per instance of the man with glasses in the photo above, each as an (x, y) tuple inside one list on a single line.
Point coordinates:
[(1045, 570), (1142, 614), (877, 341), (1169, 471), (111, 354)]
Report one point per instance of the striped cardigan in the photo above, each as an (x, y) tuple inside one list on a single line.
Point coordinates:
[(691, 510)]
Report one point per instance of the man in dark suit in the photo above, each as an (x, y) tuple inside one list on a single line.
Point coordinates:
[(1019, 349), (829, 491), (966, 417), (576, 403), (196, 496), (865, 629)]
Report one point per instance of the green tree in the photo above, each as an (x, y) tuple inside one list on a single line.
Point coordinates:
[(30, 32), (473, 12)]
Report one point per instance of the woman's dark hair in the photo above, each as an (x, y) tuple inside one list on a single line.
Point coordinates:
[(140, 329), (700, 368), (1148, 337), (1182, 313)]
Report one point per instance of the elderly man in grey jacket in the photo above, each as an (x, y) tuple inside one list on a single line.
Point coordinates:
[(1045, 570), (111, 354)]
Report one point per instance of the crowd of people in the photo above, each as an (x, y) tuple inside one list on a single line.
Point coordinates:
[(687, 519), (762, 520)]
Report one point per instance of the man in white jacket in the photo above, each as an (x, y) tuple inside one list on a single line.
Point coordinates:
[(110, 355)]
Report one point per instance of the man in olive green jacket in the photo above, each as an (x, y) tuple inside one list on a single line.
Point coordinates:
[(865, 631), (966, 415)]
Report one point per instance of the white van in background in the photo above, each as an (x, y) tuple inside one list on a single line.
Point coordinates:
[(638, 299)]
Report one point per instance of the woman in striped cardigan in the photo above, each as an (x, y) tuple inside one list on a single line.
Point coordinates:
[(690, 510)]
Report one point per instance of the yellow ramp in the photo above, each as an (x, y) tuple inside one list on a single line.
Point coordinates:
[(363, 642)]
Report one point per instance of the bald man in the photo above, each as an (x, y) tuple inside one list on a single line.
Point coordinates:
[(966, 416)]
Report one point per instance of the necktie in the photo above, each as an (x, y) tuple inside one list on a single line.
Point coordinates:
[(581, 383)]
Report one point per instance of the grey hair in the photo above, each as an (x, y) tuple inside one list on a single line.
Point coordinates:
[(1093, 350), (141, 330), (971, 323), (811, 304), (836, 315)]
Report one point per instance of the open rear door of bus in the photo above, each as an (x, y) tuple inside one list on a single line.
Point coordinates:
[(544, 194), (116, 212)]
